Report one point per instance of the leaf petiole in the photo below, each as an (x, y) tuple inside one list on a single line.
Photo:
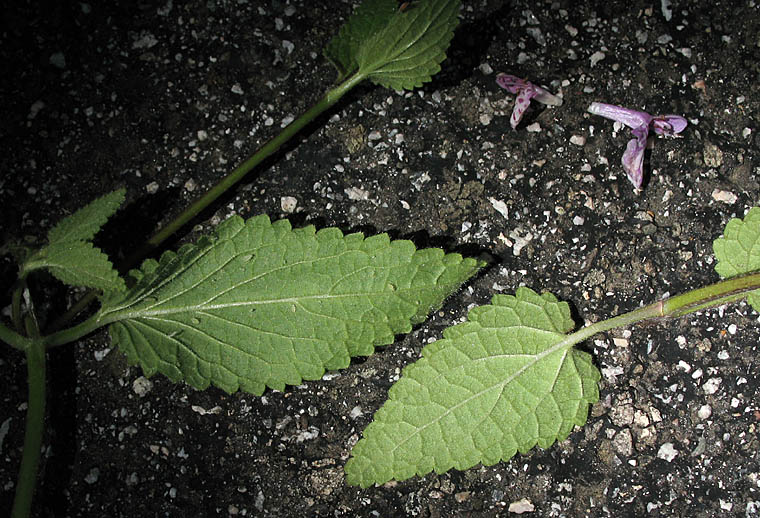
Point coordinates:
[(717, 294)]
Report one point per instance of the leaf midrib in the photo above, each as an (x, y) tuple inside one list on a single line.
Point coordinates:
[(565, 343)]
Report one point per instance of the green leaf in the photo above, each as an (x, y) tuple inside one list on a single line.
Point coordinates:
[(85, 223), (502, 382), (70, 257), (398, 49), (738, 250), (260, 304), (78, 263), (369, 18)]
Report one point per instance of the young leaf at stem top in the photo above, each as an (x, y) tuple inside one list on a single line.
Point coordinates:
[(260, 304), (69, 254), (499, 383), (395, 48)]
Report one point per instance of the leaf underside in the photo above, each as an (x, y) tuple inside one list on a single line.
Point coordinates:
[(85, 223), (369, 18), (263, 305), (738, 250), (70, 256), (395, 48), (500, 383)]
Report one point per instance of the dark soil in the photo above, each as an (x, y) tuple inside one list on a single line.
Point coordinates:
[(164, 98)]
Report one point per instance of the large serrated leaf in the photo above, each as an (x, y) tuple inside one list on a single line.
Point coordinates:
[(395, 48), (70, 257), (263, 305), (738, 250), (502, 382)]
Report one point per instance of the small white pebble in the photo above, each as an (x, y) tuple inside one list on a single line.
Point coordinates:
[(596, 57), (534, 128), (288, 204), (704, 412), (578, 140), (667, 452), (92, 476), (142, 386), (732, 329), (521, 506), (712, 385), (152, 187), (236, 89), (724, 196)]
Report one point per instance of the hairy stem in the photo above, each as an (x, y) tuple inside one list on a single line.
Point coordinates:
[(35, 420), (717, 294), (327, 101)]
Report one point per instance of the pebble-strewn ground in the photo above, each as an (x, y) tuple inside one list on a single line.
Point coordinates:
[(164, 98)]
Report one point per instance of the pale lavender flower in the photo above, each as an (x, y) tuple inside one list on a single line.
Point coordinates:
[(639, 122), (525, 91)]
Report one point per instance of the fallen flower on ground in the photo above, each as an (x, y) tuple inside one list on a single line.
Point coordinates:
[(525, 91), (639, 122)]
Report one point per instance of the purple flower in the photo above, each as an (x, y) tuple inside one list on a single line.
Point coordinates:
[(525, 91), (639, 122)]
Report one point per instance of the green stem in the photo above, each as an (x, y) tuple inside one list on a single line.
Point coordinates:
[(328, 100), (71, 334), (265, 151), (14, 339), (35, 420), (717, 294)]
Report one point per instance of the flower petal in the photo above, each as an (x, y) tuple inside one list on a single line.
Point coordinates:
[(631, 118), (511, 83), (521, 104), (633, 158), (668, 124), (546, 97)]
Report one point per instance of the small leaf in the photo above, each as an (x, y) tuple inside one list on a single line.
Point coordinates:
[(410, 49), (369, 18), (70, 257), (398, 49), (78, 263), (502, 382), (260, 304), (738, 250), (85, 223)]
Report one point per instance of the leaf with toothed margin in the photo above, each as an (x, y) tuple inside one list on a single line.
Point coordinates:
[(70, 256), (398, 48), (738, 250), (262, 305), (502, 382)]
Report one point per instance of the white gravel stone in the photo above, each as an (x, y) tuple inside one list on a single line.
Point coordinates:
[(667, 452), (288, 204), (712, 385), (142, 386)]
